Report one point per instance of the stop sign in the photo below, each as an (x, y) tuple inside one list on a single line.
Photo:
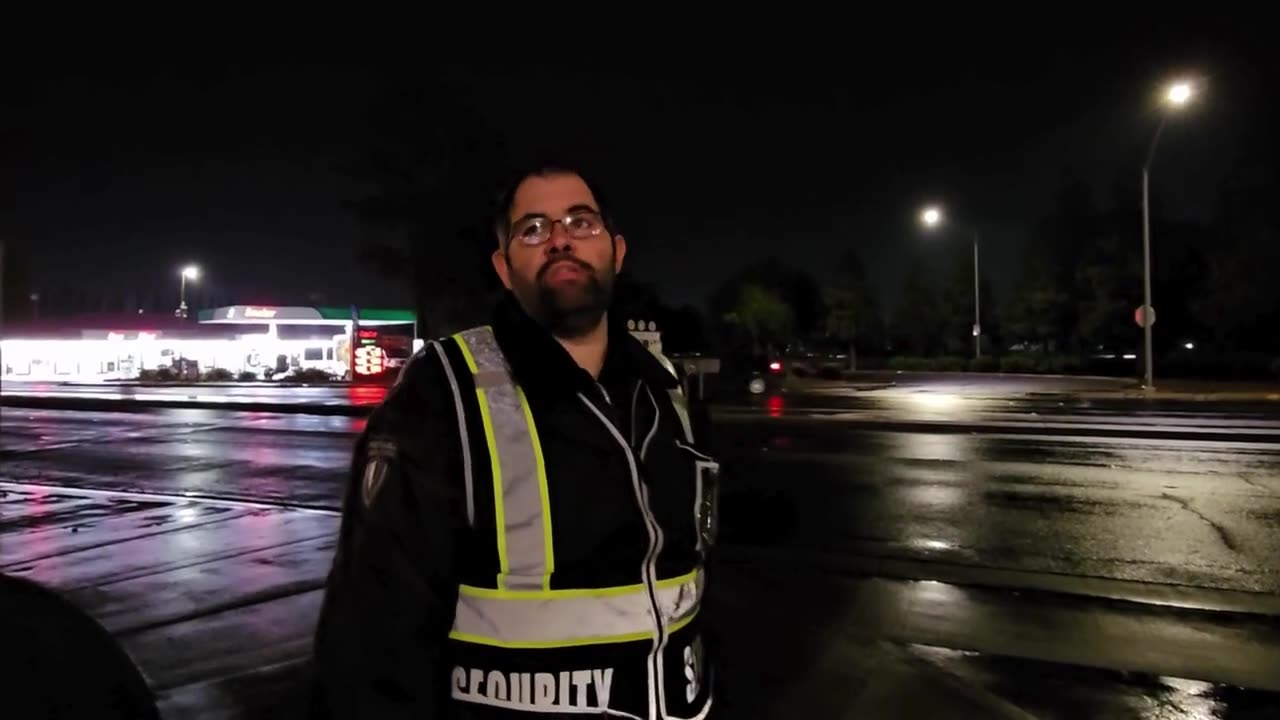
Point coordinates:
[(1138, 316)]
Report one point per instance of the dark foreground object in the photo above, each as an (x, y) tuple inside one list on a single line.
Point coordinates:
[(59, 663)]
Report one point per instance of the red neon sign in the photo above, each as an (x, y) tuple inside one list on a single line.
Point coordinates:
[(367, 334)]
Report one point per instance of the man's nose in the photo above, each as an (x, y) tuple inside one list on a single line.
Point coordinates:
[(559, 241)]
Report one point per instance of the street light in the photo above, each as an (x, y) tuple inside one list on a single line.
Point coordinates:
[(1176, 95), (190, 272), (1179, 93), (932, 217)]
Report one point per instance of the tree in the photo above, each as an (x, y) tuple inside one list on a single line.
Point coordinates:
[(853, 315), (917, 318), (682, 328), (1105, 287), (768, 320), (427, 178), (1240, 306), (842, 321), (796, 290), (1039, 311), (956, 298)]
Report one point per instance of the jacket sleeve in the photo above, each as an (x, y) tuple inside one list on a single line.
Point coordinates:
[(389, 602)]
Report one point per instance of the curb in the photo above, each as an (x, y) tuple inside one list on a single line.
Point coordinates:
[(856, 420), (1135, 592), (1260, 396)]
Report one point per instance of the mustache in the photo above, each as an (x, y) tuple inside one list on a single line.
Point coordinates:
[(581, 264)]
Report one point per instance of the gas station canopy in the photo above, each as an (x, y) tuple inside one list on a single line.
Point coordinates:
[(299, 315)]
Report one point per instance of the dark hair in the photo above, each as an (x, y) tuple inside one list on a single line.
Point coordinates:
[(502, 208)]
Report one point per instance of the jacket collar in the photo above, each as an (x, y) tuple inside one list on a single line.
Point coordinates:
[(542, 366)]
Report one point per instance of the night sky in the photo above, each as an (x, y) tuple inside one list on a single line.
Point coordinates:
[(134, 145)]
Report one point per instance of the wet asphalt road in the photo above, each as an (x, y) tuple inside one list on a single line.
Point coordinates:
[(1112, 490), (1136, 538)]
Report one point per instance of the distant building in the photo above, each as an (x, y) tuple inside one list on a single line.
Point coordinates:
[(264, 340)]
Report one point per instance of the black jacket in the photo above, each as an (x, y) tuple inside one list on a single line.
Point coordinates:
[(382, 647)]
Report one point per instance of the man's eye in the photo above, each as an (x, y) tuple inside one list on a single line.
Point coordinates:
[(581, 223), (530, 229)]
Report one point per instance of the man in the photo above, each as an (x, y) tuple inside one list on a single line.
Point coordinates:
[(528, 516)]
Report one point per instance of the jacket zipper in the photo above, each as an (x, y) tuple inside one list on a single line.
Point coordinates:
[(648, 570)]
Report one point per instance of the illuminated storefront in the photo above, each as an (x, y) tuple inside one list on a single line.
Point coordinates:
[(266, 341)]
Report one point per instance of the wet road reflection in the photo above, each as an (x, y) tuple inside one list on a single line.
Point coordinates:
[(1027, 489)]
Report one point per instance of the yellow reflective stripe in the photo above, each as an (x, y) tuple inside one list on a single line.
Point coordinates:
[(466, 353), (578, 642), (492, 594), (495, 466), (543, 492)]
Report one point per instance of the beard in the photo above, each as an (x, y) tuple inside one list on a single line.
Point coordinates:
[(568, 310)]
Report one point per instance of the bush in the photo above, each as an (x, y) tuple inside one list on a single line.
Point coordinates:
[(984, 364), (165, 374), (1042, 364), (1018, 363), (830, 372), (309, 376), (908, 364), (948, 363), (218, 375), (247, 376)]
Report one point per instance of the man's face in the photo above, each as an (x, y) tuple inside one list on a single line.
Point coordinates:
[(558, 259)]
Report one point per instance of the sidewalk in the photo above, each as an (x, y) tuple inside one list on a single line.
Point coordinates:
[(214, 601), (786, 651), (804, 642), (1198, 390)]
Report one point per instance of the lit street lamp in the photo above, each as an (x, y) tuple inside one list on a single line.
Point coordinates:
[(190, 272), (931, 217), (1175, 96)]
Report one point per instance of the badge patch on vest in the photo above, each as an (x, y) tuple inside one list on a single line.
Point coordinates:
[(378, 456)]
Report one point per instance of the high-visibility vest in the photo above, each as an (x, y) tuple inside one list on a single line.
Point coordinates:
[(520, 609)]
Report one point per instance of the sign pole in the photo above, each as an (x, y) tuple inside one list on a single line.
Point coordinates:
[(351, 342)]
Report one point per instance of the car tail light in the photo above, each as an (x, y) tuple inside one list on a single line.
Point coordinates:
[(775, 367)]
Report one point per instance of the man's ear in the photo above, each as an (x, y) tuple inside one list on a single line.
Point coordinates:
[(502, 267), (619, 252)]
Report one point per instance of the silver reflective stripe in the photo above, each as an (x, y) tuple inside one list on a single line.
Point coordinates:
[(520, 488), (565, 618), (462, 434), (681, 405), (657, 416)]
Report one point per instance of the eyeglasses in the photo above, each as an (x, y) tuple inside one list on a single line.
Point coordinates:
[(536, 230)]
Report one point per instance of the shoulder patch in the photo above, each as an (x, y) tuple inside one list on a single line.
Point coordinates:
[(379, 454)]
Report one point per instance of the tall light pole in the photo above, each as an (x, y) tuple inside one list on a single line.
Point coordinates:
[(190, 272), (1175, 96), (932, 217)]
